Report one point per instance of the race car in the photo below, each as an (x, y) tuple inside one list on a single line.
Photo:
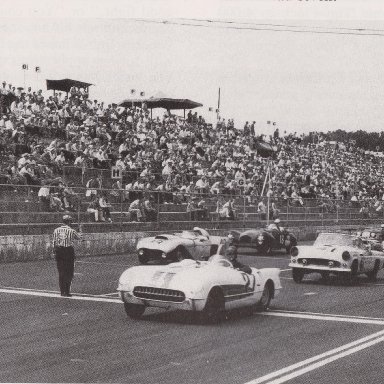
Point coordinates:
[(192, 244), (208, 287), (266, 240), (336, 253), (373, 237)]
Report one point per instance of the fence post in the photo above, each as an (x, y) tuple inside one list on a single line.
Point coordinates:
[(158, 211), (121, 196), (243, 211)]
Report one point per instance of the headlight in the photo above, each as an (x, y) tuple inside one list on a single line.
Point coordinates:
[(373, 234), (305, 261), (346, 256), (294, 251), (141, 252), (331, 264), (164, 255)]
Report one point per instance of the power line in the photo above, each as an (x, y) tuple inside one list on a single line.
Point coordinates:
[(273, 29), (286, 25)]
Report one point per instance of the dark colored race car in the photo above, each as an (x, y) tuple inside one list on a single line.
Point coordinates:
[(267, 240), (373, 237)]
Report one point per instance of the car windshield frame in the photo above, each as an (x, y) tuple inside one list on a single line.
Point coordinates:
[(338, 239)]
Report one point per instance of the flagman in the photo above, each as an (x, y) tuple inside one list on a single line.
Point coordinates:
[(63, 240)]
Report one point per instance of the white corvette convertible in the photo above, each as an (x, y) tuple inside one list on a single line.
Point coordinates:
[(210, 287), (336, 253), (193, 244)]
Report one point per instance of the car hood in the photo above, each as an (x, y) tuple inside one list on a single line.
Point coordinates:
[(187, 276), (163, 242), (323, 251)]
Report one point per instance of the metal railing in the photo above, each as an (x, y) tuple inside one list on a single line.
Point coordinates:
[(21, 204)]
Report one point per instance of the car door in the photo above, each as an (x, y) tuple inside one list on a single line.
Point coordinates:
[(242, 289), (367, 260)]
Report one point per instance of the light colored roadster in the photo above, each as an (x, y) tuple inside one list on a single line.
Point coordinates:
[(209, 287), (195, 244), (342, 254)]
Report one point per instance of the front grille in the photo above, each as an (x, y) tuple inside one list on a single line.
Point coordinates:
[(322, 262), (152, 253), (160, 294)]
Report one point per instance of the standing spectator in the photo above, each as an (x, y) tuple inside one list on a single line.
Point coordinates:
[(105, 208), (93, 207), (136, 208), (262, 210), (63, 241), (150, 212)]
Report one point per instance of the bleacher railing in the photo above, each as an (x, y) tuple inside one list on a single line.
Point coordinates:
[(22, 205)]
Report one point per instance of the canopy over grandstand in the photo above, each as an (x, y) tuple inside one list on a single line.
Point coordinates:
[(161, 101), (65, 85)]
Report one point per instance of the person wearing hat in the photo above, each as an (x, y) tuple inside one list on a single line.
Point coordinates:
[(231, 253), (63, 247), (275, 226)]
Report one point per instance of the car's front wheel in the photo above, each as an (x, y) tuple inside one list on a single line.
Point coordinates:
[(143, 259), (266, 297), (372, 275), (214, 307), (297, 275), (134, 311), (180, 254)]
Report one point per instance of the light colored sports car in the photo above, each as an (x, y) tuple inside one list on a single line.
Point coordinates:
[(337, 253), (209, 287), (195, 244)]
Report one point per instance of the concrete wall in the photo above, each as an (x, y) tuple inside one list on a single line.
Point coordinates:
[(19, 248)]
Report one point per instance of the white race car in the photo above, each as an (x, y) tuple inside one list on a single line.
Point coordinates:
[(342, 254), (194, 244), (210, 287)]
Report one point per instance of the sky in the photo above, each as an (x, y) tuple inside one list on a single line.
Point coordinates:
[(304, 65)]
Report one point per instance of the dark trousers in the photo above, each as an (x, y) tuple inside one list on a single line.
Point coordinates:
[(65, 260)]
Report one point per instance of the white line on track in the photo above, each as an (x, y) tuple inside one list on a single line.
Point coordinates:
[(324, 318), (318, 361), (288, 314), (56, 295), (285, 270)]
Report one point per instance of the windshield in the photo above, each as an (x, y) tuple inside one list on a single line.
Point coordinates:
[(189, 234), (338, 239)]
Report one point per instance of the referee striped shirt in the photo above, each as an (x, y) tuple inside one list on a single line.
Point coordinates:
[(64, 236)]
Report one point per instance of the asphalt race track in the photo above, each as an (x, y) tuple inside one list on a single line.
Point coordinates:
[(314, 332)]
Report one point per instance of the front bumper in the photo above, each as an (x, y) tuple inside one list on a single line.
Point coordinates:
[(187, 304), (315, 268)]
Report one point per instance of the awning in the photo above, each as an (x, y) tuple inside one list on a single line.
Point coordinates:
[(65, 85), (161, 102)]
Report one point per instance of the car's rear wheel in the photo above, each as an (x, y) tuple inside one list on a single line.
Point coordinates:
[(297, 275), (266, 297), (134, 311), (214, 307), (373, 274)]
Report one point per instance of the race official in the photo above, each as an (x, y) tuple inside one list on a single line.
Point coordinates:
[(63, 241)]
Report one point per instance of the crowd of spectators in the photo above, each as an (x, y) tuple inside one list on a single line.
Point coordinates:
[(176, 158)]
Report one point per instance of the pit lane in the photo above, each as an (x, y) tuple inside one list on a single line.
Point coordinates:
[(54, 339)]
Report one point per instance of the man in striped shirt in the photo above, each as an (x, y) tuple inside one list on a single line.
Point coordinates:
[(63, 240)]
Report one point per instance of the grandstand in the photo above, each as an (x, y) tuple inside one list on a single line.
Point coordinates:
[(57, 152)]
